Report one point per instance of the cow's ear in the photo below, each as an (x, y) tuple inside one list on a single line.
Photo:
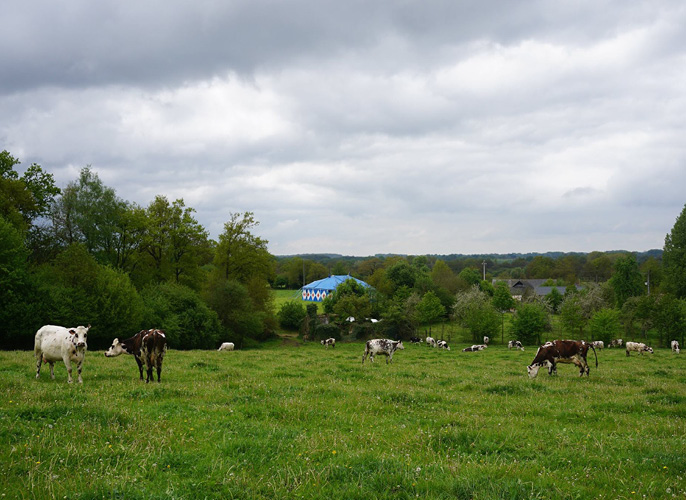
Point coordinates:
[(88, 327), (72, 331)]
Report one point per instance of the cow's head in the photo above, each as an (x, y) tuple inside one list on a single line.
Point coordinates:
[(400, 345), (115, 349), (648, 349), (532, 370), (79, 335)]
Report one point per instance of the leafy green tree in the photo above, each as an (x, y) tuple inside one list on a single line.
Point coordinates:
[(670, 320), (674, 257), (554, 298), (401, 274), (25, 198), (627, 280), (529, 322), (443, 277), (291, 314), (605, 325), (503, 302), (470, 275), (430, 309), (540, 267), (240, 254), (474, 310)]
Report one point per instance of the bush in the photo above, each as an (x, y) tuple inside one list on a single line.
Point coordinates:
[(178, 310), (326, 331), (529, 322), (291, 314), (605, 325)]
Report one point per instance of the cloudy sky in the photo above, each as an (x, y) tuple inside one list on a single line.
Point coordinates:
[(362, 127)]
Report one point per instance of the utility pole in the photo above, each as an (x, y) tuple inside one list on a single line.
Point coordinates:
[(648, 282), (484, 264)]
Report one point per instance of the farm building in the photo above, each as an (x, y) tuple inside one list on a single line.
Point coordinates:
[(320, 289), (521, 287)]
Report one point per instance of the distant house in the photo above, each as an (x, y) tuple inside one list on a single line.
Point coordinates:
[(521, 287)]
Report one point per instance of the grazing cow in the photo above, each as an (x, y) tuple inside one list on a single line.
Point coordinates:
[(615, 343), (329, 342), (53, 343), (147, 347), (486, 340), (475, 348), (415, 340), (562, 351), (639, 347), (599, 344), (226, 346), (515, 344), (381, 346), (430, 341), (675, 346), (442, 344), (129, 346)]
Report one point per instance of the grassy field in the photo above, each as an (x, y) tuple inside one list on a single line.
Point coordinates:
[(301, 421)]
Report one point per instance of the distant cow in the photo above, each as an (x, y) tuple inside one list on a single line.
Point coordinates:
[(675, 346), (329, 342), (486, 340), (442, 344), (381, 346), (599, 344), (415, 340), (615, 343), (430, 341), (148, 347), (515, 344), (638, 347), (226, 346), (475, 348), (53, 343), (562, 351)]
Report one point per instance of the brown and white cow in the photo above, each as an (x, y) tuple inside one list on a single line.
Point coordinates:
[(155, 344), (675, 346), (562, 351), (53, 343), (381, 346), (615, 343), (515, 344), (638, 347)]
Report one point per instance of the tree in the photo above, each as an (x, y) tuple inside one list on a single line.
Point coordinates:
[(470, 275), (241, 255), (503, 302), (578, 307), (627, 280), (291, 314), (443, 277), (529, 322), (605, 325), (554, 298), (670, 320), (674, 257), (430, 309), (474, 310)]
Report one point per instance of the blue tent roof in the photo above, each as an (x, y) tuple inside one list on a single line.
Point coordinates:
[(320, 289)]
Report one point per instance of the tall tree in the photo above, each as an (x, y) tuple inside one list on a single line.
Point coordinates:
[(627, 280), (240, 254), (430, 309), (674, 257), (503, 302)]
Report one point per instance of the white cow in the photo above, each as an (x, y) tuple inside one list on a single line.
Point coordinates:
[(639, 347), (430, 341), (442, 344), (598, 344), (486, 340), (675, 346), (515, 344), (329, 342), (54, 343), (381, 346), (226, 346)]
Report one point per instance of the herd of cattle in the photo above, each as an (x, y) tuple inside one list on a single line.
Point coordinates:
[(148, 347)]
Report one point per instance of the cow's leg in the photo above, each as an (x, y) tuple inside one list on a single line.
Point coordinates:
[(140, 366), (78, 370), (627, 353), (67, 363), (52, 370), (158, 363), (148, 369), (364, 356), (39, 362)]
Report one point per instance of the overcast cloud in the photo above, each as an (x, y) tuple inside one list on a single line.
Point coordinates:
[(362, 127)]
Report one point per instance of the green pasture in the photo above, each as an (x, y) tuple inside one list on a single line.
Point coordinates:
[(301, 421)]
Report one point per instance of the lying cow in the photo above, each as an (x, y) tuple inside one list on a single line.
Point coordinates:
[(675, 347), (599, 344), (442, 344), (638, 347), (515, 344), (415, 340), (329, 342), (53, 343), (381, 346), (155, 344), (430, 342), (475, 348), (562, 351), (615, 343), (226, 346)]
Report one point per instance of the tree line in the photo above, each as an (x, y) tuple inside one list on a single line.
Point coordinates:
[(81, 254)]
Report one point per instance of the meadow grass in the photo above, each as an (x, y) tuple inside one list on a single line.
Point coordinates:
[(309, 422)]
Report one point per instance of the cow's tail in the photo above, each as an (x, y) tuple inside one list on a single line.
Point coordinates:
[(596, 355)]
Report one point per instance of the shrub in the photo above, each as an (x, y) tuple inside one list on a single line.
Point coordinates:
[(291, 314), (324, 331)]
